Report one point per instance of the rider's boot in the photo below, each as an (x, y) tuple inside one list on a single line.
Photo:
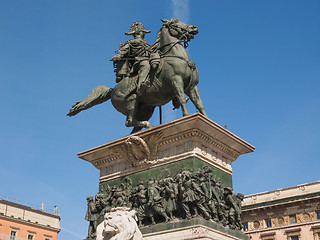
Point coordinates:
[(143, 73)]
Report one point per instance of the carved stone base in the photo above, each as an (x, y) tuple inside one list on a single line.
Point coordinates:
[(183, 138), (190, 230)]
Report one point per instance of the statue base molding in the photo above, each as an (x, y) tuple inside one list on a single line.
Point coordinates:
[(191, 136), (196, 228)]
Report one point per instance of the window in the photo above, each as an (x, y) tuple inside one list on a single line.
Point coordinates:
[(13, 235), (316, 232), (245, 227), (30, 237), (293, 219), (268, 236), (268, 223), (47, 237), (293, 234), (318, 214)]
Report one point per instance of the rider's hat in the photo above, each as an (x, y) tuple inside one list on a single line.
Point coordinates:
[(137, 27)]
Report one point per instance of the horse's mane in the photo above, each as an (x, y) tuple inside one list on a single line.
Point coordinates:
[(156, 44)]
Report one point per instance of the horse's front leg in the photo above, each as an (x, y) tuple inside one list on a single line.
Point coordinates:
[(179, 91), (138, 125), (131, 115), (131, 106)]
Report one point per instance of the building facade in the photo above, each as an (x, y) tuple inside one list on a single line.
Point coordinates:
[(291, 213), (20, 222)]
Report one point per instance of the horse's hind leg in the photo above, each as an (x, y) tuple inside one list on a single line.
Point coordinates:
[(195, 98)]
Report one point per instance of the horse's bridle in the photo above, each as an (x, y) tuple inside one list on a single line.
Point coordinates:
[(183, 38), (184, 31)]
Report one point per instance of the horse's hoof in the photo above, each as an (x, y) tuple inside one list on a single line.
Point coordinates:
[(149, 125), (129, 123)]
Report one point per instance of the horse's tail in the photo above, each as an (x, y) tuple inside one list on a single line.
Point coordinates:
[(98, 95)]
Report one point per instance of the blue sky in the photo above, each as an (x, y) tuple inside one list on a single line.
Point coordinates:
[(259, 65)]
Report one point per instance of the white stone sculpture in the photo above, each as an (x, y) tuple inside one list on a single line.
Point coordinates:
[(119, 224)]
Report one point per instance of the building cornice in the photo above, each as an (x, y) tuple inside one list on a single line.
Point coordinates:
[(29, 209), (281, 202), (29, 223), (282, 193)]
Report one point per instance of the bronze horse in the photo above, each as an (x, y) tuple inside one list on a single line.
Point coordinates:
[(176, 76)]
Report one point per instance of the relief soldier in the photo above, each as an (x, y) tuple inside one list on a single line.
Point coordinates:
[(91, 216), (140, 200), (232, 202), (170, 195), (155, 202)]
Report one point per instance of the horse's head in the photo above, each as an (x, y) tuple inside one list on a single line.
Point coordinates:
[(180, 30)]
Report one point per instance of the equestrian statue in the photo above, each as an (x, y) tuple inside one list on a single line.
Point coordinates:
[(148, 76)]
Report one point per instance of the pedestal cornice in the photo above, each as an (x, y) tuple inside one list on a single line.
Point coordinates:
[(190, 136)]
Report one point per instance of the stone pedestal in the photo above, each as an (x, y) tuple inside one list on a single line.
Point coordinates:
[(190, 143)]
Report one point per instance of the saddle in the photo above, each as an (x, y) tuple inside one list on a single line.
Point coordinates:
[(128, 69)]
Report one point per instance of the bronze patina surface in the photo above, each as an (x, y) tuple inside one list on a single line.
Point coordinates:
[(150, 76)]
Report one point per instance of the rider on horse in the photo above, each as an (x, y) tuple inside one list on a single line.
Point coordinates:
[(175, 77), (136, 53)]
